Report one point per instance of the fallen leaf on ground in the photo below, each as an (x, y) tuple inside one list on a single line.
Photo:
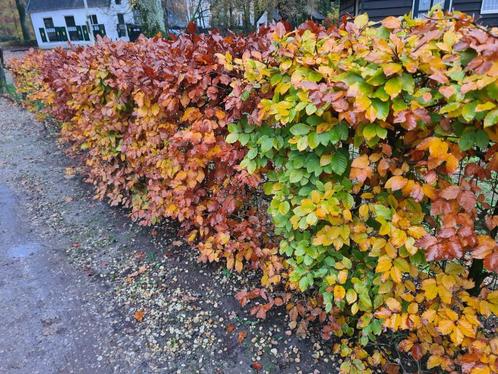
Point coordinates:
[(230, 328), (242, 335), (69, 173), (139, 315), (256, 365)]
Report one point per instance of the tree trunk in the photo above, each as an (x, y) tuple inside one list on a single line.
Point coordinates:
[(22, 20), (247, 16), (3, 80)]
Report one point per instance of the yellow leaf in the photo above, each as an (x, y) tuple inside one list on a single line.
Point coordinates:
[(429, 315), (480, 370), (363, 211), (393, 304), (361, 20), (456, 336), (395, 274), (325, 159), (413, 308), (339, 292), (444, 294), (383, 265), (485, 106), (351, 296), (434, 361), (430, 288), (445, 326), (466, 328), (342, 277), (354, 308), (391, 68)]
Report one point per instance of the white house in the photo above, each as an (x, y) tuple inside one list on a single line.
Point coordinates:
[(57, 22)]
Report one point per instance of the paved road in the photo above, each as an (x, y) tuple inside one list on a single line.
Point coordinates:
[(47, 324)]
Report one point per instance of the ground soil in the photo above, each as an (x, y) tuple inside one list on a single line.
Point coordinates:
[(84, 290)]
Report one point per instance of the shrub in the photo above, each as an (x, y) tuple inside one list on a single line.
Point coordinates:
[(378, 147), (375, 145), (148, 120)]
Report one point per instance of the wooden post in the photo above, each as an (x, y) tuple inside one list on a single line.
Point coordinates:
[(3, 80)]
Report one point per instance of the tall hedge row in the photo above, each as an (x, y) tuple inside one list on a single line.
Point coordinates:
[(354, 167)]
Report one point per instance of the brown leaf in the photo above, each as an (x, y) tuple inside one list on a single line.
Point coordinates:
[(450, 193), (256, 365), (139, 315), (391, 23), (230, 328), (242, 335)]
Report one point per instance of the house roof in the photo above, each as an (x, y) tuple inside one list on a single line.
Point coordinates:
[(47, 5)]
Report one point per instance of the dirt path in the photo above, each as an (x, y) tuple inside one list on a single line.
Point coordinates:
[(76, 277)]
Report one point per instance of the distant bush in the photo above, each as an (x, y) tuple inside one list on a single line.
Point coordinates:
[(374, 143)]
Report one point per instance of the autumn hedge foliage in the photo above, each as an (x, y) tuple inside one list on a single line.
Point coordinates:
[(374, 144)]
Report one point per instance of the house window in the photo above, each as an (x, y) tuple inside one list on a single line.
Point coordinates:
[(50, 30), (422, 7), (70, 21), (93, 19), (48, 22), (489, 6), (121, 25), (75, 32)]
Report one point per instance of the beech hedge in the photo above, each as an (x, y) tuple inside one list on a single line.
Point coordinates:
[(354, 167)]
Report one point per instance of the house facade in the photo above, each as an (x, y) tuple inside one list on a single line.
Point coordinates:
[(58, 22), (484, 11)]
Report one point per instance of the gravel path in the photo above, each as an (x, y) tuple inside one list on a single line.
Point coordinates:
[(83, 290)]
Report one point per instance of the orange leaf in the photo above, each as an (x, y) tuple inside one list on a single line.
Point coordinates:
[(241, 336), (396, 183), (139, 315)]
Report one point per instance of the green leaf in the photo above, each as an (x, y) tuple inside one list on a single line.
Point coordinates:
[(451, 107), (302, 143), (300, 129), (408, 83), (310, 109), (382, 211), (313, 140), (381, 132), (491, 118), (343, 131), (467, 140), (283, 207), (381, 109), (266, 143), (482, 139), (244, 138), (295, 176), (275, 79), (370, 131), (469, 111), (232, 138), (252, 153), (251, 166), (245, 95), (393, 87), (339, 162)]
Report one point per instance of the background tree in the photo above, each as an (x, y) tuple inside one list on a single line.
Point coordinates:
[(21, 10), (151, 15)]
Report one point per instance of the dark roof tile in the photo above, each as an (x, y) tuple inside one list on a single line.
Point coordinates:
[(47, 5)]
